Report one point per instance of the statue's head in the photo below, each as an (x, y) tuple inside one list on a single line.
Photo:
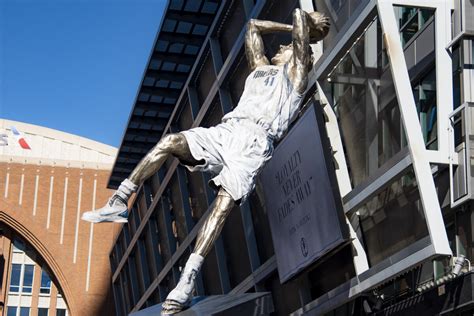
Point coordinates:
[(285, 53)]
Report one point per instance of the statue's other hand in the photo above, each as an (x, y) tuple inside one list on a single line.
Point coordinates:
[(319, 26)]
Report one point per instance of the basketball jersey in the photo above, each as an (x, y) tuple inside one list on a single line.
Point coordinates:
[(269, 100)]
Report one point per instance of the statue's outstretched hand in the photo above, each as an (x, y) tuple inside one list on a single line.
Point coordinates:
[(319, 26)]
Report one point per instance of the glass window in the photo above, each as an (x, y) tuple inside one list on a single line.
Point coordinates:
[(45, 283), (18, 246), (411, 21), (396, 205), (11, 310), (60, 312), (28, 278), (366, 106), (457, 76), (339, 13), (24, 311), (15, 278), (425, 99), (42, 311)]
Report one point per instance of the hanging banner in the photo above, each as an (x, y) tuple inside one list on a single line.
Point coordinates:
[(302, 199)]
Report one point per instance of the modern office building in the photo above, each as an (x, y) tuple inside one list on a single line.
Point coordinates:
[(51, 262), (394, 83)]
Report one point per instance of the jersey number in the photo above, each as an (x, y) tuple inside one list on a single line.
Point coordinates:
[(269, 81)]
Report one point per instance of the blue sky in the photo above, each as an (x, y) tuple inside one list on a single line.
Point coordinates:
[(75, 65)]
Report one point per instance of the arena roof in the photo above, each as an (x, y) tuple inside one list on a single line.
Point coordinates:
[(183, 29), (27, 143)]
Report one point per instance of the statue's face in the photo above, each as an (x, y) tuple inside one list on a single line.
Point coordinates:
[(283, 55)]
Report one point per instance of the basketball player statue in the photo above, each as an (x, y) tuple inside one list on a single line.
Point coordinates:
[(238, 148)]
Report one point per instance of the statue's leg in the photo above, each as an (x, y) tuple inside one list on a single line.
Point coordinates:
[(211, 229), (116, 208), (180, 297), (174, 144)]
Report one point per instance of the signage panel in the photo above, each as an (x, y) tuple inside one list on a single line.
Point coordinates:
[(303, 203)]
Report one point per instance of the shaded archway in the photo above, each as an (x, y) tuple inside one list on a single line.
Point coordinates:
[(31, 234)]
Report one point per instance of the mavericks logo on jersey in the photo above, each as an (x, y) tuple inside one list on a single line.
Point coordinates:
[(263, 73)]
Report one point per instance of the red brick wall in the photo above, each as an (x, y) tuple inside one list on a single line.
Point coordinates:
[(70, 275)]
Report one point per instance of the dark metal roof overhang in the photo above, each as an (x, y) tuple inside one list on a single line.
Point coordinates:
[(183, 29)]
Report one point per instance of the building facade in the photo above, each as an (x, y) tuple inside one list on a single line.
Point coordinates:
[(394, 81), (52, 262)]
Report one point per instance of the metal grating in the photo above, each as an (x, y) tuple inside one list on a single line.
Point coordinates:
[(183, 29)]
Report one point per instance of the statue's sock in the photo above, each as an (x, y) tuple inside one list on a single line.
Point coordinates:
[(183, 290), (125, 190)]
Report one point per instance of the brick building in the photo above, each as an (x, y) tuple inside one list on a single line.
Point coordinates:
[(51, 262)]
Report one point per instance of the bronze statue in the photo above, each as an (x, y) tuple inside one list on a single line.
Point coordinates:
[(238, 148)]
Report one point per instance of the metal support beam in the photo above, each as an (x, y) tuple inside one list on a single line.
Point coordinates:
[(416, 144), (216, 54), (226, 100), (193, 100)]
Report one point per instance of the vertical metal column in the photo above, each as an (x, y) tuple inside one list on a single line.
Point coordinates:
[(416, 144), (193, 101)]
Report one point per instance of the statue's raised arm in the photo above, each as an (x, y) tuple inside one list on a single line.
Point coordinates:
[(307, 28), (254, 48)]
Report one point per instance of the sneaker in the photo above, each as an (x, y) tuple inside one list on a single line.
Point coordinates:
[(180, 297), (115, 210), (171, 307)]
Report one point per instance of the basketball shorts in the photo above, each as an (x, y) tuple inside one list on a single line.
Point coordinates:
[(235, 151)]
